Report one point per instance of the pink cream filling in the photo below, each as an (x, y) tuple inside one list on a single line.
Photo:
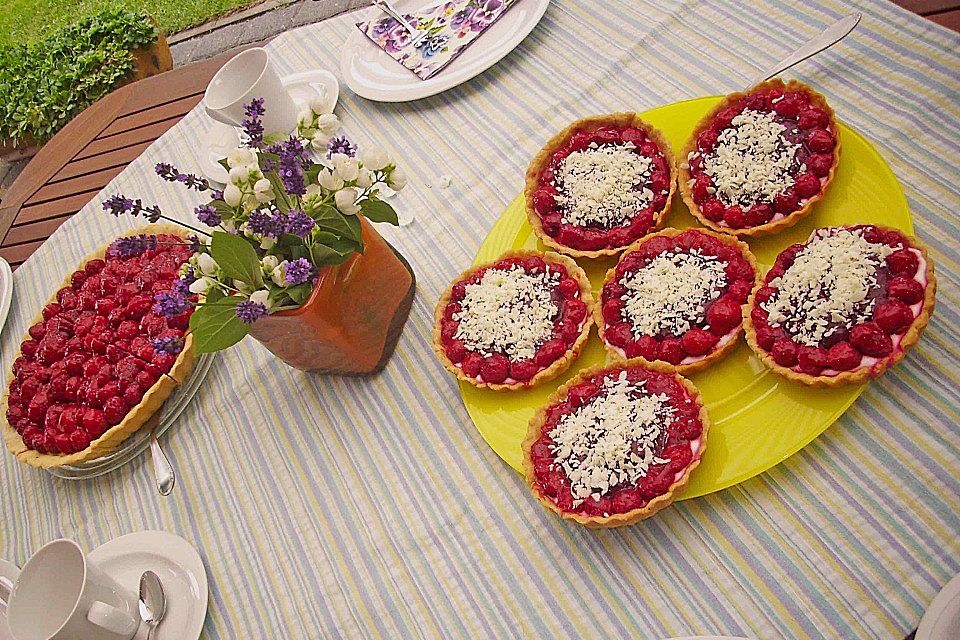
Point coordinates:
[(727, 337)]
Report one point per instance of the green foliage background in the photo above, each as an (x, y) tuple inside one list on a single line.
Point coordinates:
[(29, 21)]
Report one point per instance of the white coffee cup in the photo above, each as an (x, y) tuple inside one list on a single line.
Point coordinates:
[(61, 595), (246, 76)]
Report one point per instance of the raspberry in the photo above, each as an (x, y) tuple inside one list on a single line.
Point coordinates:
[(893, 316), (843, 357), (713, 210), (619, 335), (646, 347), (903, 263), (819, 164), (612, 311), (455, 351), (734, 217), (697, 342), (670, 350), (523, 370), (905, 289), (807, 185), (759, 214), (495, 368), (784, 352), (581, 394), (820, 140), (723, 315), (550, 351), (870, 340)]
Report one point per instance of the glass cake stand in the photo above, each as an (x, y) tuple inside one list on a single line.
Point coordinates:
[(137, 443)]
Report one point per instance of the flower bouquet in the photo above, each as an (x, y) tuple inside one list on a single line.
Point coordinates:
[(287, 252)]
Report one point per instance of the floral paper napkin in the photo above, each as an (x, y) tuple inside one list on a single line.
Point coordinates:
[(452, 26)]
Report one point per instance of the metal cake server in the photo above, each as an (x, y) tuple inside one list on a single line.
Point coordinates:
[(829, 37)]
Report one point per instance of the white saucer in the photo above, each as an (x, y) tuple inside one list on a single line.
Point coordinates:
[(222, 138), (9, 571), (942, 619), (370, 72), (6, 291), (181, 573)]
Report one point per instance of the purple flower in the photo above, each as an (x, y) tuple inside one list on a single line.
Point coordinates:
[(170, 173), (249, 311), (207, 214), (462, 17), (118, 205), (298, 271), (299, 223), (252, 126), (171, 304), (342, 145), (194, 241), (170, 345), (265, 225), (216, 195), (132, 246), (292, 161)]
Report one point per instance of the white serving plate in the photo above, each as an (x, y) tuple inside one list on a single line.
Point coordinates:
[(372, 74), (6, 291), (942, 618)]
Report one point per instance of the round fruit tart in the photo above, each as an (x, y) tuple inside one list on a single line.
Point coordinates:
[(614, 444), (599, 185), (88, 375), (843, 307), (515, 322), (760, 160), (676, 298)]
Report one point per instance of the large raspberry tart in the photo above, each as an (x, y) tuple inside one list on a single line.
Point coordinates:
[(515, 322), (87, 375), (677, 298), (760, 160), (844, 306), (599, 185), (614, 445)]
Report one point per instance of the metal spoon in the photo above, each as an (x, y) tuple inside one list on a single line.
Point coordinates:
[(416, 35), (152, 604), (162, 469), (830, 36)]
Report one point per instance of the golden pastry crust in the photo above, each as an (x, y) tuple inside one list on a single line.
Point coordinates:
[(135, 419), (555, 368), (592, 123), (770, 228), (535, 430), (714, 356), (863, 373)]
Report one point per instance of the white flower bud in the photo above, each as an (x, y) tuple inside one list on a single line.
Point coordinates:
[(267, 243), (279, 274), (261, 297), (305, 119), (348, 170), (232, 195), (313, 190), (241, 156), (201, 285), (374, 159), (397, 179), (364, 178), (208, 266), (239, 174), (328, 124), (328, 181), (269, 264), (319, 142), (346, 200), (319, 105)]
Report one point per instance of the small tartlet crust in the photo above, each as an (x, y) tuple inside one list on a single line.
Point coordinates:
[(592, 123), (136, 417), (557, 367), (714, 356), (770, 228), (535, 430), (863, 373)]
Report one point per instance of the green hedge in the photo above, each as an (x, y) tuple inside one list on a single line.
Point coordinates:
[(44, 85)]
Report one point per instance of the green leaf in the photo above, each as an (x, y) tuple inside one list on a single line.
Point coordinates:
[(237, 258), (378, 211), (300, 292), (282, 200), (216, 326), (330, 219)]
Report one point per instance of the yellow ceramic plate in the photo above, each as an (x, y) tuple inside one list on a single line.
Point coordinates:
[(759, 418)]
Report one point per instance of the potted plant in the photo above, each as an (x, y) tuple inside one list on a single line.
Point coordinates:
[(44, 85), (290, 256)]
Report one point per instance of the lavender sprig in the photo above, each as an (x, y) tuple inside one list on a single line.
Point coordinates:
[(293, 159), (341, 144), (298, 271), (132, 246), (208, 215), (171, 304), (299, 223), (119, 205), (249, 311), (169, 345), (252, 126), (170, 173)]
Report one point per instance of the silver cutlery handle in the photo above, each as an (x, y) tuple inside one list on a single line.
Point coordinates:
[(162, 469), (386, 7), (830, 36)]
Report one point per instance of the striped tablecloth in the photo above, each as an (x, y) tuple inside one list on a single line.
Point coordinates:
[(330, 507)]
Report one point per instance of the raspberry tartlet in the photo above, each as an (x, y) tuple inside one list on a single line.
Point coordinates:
[(844, 306), (614, 445), (599, 185), (515, 322), (677, 298), (760, 160), (87, 375)]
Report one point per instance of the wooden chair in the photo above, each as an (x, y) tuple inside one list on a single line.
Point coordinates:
[(92, 149)]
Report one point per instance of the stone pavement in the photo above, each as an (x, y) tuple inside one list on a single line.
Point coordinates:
[(255, 23)]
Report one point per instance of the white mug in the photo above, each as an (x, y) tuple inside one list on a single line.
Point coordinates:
[(61, 595), (246, 76)]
